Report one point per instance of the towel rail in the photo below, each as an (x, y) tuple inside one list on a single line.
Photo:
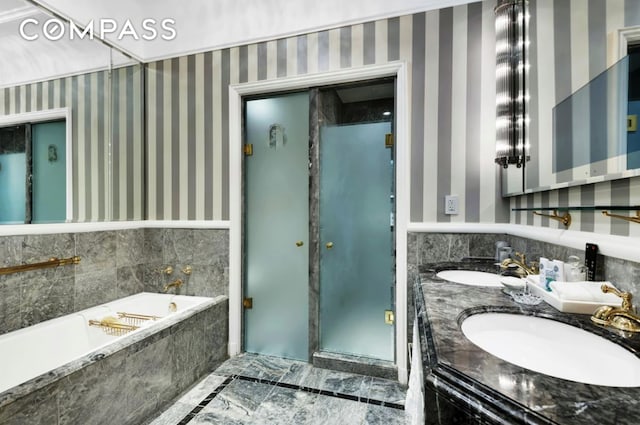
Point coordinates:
[(52, 262), (631, 219)]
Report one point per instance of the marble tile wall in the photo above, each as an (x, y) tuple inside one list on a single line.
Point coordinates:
[(205, 250), (114, 264)]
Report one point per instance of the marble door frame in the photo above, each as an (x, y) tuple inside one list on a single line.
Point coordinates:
[(398, 69)]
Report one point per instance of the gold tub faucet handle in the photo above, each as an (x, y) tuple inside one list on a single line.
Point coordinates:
[(167, 270)]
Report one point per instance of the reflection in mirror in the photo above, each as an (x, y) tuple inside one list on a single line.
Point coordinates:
[(590, 128), (33, 173), (99, 93), (571, 44), (12, 170), (633, 109), (47, 183)]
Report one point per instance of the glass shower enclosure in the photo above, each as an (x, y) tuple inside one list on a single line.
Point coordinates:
[(356, 241), (318, 247)]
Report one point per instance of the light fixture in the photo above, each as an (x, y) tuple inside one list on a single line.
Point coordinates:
[(511, 91), (386, 113)]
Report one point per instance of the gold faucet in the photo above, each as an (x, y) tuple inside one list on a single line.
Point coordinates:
[(521, 263), (175, 284), (622, 318)]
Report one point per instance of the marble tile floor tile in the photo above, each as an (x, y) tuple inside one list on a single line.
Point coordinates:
[(257, 390)]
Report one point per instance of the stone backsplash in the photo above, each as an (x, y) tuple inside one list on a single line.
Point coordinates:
[(114, 264), (425, 248)]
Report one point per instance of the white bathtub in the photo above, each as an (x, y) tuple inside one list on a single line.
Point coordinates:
[(39, 349)]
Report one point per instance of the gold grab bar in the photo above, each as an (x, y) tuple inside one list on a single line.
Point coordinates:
[(52, 262), (564, 219), (632, 219)]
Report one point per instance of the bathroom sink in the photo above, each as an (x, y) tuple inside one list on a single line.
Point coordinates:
[(469, 277), (553, 348)]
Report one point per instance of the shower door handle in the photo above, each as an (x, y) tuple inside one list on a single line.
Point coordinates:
[(329, 245)]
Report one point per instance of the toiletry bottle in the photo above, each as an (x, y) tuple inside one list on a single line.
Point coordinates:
[(558, 272), (545, 267)]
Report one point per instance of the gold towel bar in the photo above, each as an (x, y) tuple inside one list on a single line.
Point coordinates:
[(635, 219), (52, 262), (564, 219)]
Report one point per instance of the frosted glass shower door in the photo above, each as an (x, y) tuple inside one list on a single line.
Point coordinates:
[(277, 226), (13, 171), (356, 260), (49, 172)]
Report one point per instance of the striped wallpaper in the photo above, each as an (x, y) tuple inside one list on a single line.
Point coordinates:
[(450, 53), (568, 49), (108, 178)]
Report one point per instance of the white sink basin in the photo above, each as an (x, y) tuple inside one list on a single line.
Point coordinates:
[(469, 277), (553, 348)]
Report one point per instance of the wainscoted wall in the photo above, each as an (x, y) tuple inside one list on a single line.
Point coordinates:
[(450, 53), (568, 49), (114, 264), (106, 118)]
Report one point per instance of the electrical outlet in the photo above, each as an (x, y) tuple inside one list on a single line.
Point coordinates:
[(451, 204)]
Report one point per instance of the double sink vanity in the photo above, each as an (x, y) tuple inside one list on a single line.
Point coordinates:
[(537, 365)]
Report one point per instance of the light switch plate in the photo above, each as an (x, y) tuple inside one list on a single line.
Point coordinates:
[(451, 204)]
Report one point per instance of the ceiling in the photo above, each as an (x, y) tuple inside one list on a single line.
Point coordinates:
[(191, 26)]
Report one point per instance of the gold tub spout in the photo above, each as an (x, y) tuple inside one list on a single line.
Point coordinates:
[(175, 284)]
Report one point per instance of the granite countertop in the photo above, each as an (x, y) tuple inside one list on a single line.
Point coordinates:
[(487, 386)]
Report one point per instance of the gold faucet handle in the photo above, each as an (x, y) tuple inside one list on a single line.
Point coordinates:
[(167, 270), (626, 296)]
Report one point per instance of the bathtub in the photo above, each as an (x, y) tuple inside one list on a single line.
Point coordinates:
[(64, 366)]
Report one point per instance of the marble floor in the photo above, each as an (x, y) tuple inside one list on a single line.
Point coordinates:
[(252, 389)]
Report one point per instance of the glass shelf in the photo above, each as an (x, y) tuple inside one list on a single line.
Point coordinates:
[(565, 218), (576, 208)]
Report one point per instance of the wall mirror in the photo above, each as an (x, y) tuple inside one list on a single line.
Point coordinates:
[(581, 92), (71, 123), (593, 129)]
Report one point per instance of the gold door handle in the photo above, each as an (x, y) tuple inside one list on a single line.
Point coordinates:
[(329, 245), (299, 244)]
